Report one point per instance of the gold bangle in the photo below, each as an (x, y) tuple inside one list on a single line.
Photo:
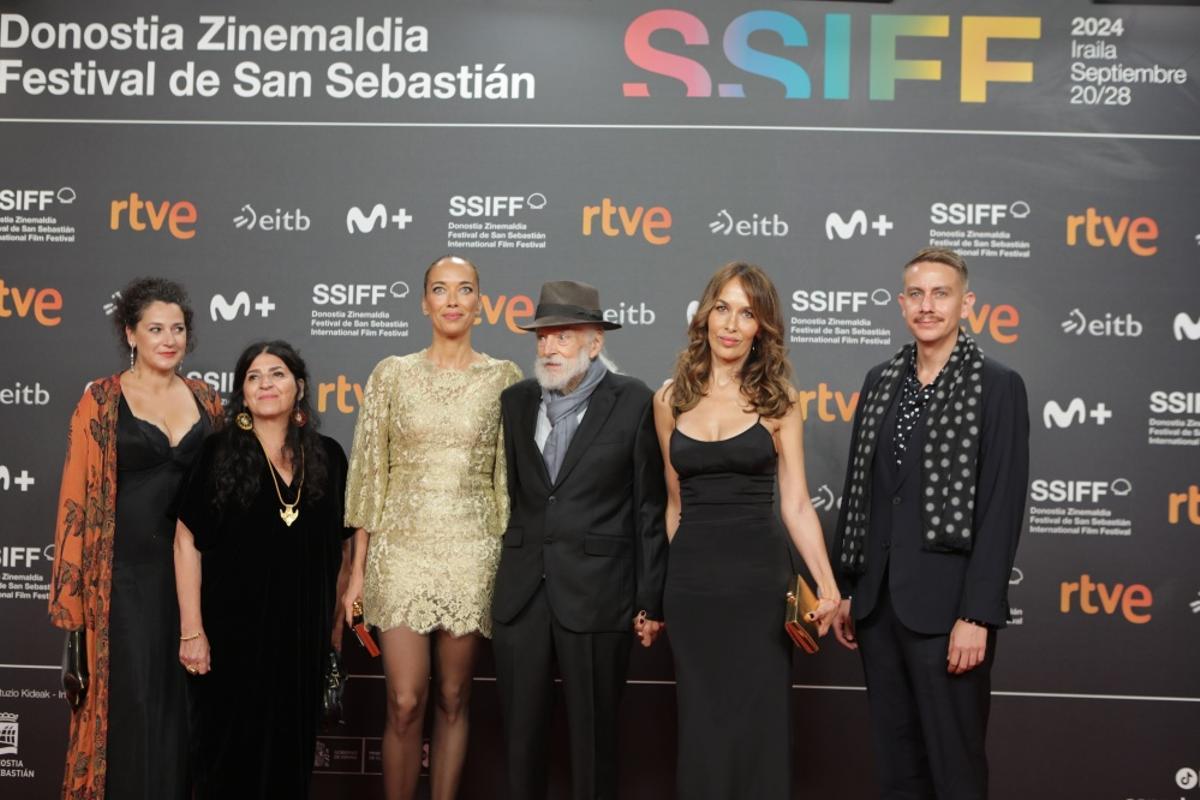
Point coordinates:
[(189, 638)]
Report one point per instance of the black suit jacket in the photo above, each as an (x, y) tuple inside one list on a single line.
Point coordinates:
[(931, 590), (597, 535)]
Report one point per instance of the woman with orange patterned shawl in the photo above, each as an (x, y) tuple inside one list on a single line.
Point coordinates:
[(131, 438)]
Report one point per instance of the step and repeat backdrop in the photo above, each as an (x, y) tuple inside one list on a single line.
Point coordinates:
[(296, 165)]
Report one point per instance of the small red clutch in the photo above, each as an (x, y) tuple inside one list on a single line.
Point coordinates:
[(361, 632)]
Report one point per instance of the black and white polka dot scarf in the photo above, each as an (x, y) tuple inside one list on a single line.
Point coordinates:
[(913, 399), (948, 460)]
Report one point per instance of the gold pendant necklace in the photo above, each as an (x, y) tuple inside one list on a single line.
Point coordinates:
[(289, 513)]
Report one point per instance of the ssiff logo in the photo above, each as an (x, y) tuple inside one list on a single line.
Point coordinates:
[(177, 217), (1075, 413), (975, 71), (34, 199)]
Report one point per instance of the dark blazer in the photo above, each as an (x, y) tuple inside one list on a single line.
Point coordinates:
[(597, 535), (931, 590)]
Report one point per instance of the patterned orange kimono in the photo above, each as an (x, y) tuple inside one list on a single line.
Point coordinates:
[(81, 581)]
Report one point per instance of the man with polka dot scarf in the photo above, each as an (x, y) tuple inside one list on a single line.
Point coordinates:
[(930, 517)]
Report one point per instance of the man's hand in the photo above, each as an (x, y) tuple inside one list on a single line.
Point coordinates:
[(647, 630), (843, 626), (968, 647)]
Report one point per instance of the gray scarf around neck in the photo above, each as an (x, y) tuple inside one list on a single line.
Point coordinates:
[(563, 411)]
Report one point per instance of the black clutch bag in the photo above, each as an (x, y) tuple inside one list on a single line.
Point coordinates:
[(75, 677), (335, 689)]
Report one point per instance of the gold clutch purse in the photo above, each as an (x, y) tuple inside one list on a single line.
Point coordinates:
[(801, 601)]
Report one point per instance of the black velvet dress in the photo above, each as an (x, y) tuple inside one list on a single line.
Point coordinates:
[(724, 602), (267, 598), (147, 712)]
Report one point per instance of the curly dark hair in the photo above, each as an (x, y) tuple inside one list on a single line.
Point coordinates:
[(239, 462), (766, 374), (140, 293)]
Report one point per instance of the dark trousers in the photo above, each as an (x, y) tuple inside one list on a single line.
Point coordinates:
[(593, 668), (928, 726)]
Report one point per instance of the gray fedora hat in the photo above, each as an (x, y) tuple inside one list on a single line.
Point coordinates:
[(568, 303)]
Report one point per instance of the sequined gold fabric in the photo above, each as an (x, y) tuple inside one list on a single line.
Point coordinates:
[(427, 481)]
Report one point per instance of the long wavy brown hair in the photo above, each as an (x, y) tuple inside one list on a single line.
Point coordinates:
[(766, 374)]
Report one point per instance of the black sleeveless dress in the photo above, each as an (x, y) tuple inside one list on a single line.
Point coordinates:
[(147, 705), (727, 579)]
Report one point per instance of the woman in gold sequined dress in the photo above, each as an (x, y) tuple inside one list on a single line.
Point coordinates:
[(426, 490)]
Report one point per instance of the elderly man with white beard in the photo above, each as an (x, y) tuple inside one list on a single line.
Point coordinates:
[(585, 550)]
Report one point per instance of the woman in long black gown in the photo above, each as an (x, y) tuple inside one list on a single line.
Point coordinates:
[(731, 427), (132, 437), (257, 552)]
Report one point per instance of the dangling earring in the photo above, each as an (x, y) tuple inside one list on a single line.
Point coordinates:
[(300, 418), (132, 355), (244, 421)]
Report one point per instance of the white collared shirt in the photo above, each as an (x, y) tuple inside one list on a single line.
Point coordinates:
[(541, 431)]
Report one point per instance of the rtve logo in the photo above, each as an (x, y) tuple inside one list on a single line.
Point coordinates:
[(1000, 321), (884, 69), (831, 405), (1100, 230), (1075, 413), (1085, 592), (514, 310), (651, 223), (343, 391), (178, 217), (1177, 502), (41, 303)]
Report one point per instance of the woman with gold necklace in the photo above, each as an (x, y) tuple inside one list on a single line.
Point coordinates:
[(257, 551)]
